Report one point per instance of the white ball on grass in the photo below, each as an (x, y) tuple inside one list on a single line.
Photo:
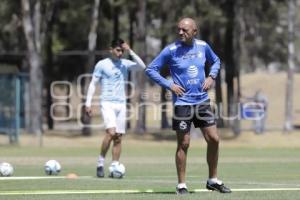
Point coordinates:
[(6, 169), (52, 167), (116, 170)]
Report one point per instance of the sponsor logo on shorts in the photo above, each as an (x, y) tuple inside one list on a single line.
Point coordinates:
[(182, 125)]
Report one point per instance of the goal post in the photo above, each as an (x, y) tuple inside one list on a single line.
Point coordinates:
[(10, 106)]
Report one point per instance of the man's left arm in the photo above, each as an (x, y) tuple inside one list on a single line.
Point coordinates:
[(138, 61), (214, 61)]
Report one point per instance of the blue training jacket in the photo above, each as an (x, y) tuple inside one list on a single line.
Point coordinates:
[(186, 64)]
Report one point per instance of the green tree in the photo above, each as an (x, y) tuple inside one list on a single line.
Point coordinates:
[(92, 41), (140, 77), (31, 24), (288, 125)]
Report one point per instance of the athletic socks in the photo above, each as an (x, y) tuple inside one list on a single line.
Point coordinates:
[(101, 161), (114, 162), (181, 185), (214, 180)]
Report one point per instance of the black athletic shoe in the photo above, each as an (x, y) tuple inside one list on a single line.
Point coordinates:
[(181, 191), (216, 187), (100, 172)]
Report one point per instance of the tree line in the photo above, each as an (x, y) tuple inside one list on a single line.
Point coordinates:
[(61, 39)]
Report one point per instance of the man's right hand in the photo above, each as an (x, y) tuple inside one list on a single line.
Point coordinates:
[(88, 111), (125, 46), (178, 90)]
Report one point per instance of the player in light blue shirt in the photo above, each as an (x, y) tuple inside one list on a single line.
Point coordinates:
[(186, 59), (111, 73)]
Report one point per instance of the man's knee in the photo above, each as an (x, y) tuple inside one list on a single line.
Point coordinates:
[(117, 138), (183, 141), (111, 131), (214, 139), (211, 135), (184, 145)]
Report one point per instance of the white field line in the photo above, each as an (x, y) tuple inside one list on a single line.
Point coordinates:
[(40, 192), (265, 189), (36, 177), (154, 179), (43, 192), (56, 192), (254, 189)]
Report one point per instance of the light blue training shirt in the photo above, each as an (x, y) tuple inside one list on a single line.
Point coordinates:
[(113, 75), (186, 64)]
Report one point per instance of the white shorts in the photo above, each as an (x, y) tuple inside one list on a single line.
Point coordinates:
[(114, 116)]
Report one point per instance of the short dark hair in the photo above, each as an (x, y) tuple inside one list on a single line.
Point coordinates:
[(117, 43)]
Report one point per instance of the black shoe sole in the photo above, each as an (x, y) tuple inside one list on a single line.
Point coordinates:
[(209, 187), (185, 192)]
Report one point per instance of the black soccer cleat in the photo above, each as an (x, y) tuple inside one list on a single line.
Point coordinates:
[(218, 187), (181, 191), (100, 172)]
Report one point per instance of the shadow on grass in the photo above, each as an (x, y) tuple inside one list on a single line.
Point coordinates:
[(150, 134)]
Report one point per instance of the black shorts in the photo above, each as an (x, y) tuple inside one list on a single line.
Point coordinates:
[(201, 115)]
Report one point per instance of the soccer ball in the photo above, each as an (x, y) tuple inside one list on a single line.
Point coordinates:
[(52, 167), (116, 170), (6, 169)]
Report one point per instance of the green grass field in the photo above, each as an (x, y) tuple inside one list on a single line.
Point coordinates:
[(150, 172)]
